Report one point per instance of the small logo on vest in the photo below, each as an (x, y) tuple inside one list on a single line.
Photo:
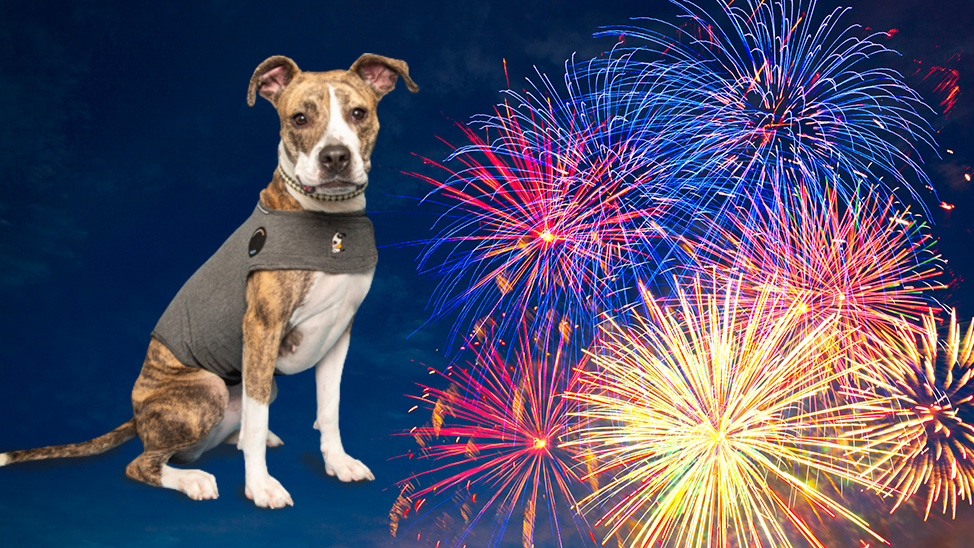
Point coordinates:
[(336, 242), (257, 242)]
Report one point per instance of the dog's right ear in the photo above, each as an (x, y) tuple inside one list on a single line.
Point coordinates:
[(270, 78)]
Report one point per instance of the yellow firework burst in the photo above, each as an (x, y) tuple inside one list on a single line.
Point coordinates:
[(710, 419)]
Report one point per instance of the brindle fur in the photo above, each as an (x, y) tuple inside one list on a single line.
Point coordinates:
[(100, 444), (272, 297), (292, 340), (163, 394)]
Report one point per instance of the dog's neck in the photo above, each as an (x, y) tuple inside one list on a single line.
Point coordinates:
[(279, 195)]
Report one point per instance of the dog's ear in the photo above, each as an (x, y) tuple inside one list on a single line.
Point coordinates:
[(381, 73), (270, 78)]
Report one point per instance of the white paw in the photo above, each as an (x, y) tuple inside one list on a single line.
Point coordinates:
[(267, 492), (273, 440), (4, 459), (197, 484), (347, 468)]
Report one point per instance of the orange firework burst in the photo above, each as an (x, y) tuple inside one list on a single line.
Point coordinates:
[(933, 433)]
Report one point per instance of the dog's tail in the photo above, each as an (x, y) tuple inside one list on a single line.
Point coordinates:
[(98, 445)]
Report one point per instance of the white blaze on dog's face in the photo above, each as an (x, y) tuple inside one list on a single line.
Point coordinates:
[(327, 135), (328, 124)]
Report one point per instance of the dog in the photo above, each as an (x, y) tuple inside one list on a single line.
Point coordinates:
[(208, 379)]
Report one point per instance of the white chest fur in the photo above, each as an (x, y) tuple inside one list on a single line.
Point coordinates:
[(323, 317)]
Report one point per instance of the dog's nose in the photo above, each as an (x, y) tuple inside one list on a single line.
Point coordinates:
[(334, 158)]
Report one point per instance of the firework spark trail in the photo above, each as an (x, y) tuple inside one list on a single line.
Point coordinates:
[(940, 82), (770, 94), (703, 409), (495, 442), (562, 209), (933, 431), (869, 262)]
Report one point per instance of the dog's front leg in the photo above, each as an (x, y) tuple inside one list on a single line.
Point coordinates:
[(328, 377), (270, 302)]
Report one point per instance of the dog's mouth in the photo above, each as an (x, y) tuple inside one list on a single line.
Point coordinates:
[(332, 188), (336, 190)]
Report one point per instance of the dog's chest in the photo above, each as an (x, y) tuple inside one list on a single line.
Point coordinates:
[(322, 318)]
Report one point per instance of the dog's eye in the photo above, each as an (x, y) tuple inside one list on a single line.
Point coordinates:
[(299, 119), (358, 113)]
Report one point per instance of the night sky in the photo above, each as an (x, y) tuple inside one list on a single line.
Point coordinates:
[(128, 154)]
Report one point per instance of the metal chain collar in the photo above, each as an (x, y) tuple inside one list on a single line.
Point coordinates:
[(291, 182)]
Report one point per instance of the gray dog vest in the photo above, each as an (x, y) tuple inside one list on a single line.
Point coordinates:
[(203, 325)]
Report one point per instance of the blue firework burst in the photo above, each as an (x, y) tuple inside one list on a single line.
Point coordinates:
[(772, 94)]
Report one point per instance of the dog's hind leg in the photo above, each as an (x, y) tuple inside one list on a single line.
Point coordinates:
[(272, 439), (232, 418), (176, 407)]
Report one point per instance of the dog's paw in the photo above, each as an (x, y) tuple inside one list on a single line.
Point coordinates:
[(273, 440), (346, 468), (197, 484), (267, 492)]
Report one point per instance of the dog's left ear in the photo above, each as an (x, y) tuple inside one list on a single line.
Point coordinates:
[(381, 73)]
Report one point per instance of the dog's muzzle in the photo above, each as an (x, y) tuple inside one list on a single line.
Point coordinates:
[(297, 187)]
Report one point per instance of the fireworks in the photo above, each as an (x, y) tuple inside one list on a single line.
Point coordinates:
[(566, 199), (766, 146), (494, 443), (770, 94), (703, 417), (940, 83), (934, 430), (559, 210), (869, 262)]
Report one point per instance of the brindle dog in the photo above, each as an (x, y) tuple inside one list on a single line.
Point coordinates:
[(294, 319)]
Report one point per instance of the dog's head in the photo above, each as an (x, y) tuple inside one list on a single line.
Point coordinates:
[(328, 123)]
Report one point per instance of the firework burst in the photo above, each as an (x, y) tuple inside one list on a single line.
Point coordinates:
[(870, 263), (494, 443), (769, 94), (933, 432), (559, 203), (702, 414)]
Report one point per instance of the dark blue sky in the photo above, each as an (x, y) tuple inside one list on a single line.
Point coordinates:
[(128, 154)]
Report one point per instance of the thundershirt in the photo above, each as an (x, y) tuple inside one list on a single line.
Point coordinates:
[(203, 325)]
